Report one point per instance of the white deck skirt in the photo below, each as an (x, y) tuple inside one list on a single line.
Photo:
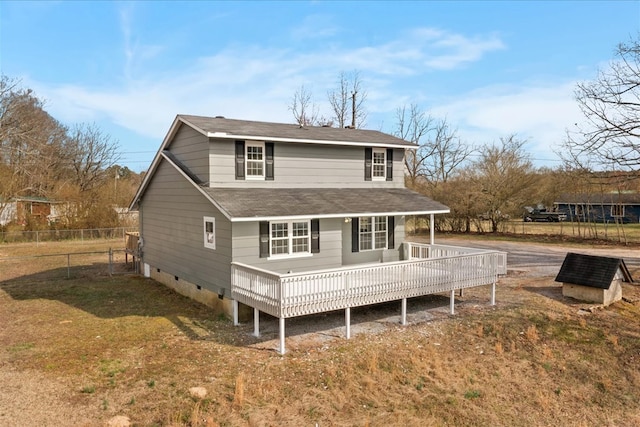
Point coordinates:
[(431, 269)]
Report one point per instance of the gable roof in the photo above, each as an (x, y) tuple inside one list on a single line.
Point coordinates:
[(592, 271), (220, 127)]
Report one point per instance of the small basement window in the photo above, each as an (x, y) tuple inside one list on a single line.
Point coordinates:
[(209, 232)]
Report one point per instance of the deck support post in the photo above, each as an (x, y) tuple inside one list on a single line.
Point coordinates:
[(403, 316), (347, 321), (453, 300), (234, 303), (281, 349), (256, 322), (461, 292), (493, 293)]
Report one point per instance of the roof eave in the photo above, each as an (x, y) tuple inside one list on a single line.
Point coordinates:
[(336, 215), (309, 141)]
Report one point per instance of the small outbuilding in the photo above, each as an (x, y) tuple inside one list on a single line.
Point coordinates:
[(591, 278)]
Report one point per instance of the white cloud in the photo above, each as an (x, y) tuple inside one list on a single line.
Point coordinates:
[(539, 113), (249, 81)]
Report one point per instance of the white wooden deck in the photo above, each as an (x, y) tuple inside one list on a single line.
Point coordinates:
[(431, 269)]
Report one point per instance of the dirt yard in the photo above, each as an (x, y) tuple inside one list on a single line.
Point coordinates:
[(98, 350)]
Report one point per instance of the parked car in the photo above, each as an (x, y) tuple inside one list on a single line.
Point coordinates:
[(542, 215)]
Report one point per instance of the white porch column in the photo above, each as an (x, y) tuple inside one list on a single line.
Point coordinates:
[(493, 293), (453, 300), (404, 312), (281, 350), (234, 304), (256, 322), (432, 229), (347, 321)]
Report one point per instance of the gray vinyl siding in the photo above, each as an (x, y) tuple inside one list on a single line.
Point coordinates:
[(303, 165), (192, 149), (379, 255), (172, 213), (246, 248)]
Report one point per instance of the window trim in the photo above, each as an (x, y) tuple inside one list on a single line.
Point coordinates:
[(260, 144), (383, 177), (373, 232), (619, 208), (290, 237), (209, 243)]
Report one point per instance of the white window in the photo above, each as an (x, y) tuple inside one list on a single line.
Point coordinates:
[(254, 153), (290, 238), (379, 164), (617, 210), (209, 232), (373, 232)]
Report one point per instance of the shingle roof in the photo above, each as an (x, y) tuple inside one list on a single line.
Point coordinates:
[(292, 132), (590, 270), (253, 203)]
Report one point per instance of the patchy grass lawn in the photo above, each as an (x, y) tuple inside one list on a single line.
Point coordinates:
[(79, 351)]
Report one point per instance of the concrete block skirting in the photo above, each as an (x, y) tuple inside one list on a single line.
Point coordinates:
[(204, 296)]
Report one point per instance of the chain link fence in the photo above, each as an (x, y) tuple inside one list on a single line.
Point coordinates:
[(71, 265), (80, 235)]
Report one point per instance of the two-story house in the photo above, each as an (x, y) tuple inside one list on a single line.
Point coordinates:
[(286, 219)]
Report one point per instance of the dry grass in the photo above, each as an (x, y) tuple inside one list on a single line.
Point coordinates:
[(100, 346)]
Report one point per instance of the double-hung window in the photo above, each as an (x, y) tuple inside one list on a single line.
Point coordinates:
[(379, 164), (289, 238), (255, 156), (372, 233)]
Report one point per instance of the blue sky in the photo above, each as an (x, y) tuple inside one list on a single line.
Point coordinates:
[(491, 68)]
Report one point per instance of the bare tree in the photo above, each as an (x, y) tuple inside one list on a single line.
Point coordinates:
[(611, 107), (347, 101), (304, 110), (503, 175), (448, 153), (440, 152), (91, 154), (413, 126), (31, 143)]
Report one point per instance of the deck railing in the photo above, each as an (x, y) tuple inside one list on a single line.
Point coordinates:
[(430, 269)]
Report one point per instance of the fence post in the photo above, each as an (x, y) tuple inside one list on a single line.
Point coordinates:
[(110, 262), (68, 266)]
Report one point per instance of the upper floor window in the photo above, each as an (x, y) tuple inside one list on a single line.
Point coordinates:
[(378, 164), (254, 160)]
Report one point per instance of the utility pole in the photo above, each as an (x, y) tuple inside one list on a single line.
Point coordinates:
[(353, 109)]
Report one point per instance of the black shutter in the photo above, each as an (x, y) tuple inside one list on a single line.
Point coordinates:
[(368, 159), (315, 236), (239, 159), (355, 234), (268, 148), (389, 164), (264, 239), (390, 232)]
